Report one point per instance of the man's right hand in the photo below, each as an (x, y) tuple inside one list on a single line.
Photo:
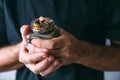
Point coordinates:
[(34, 58)]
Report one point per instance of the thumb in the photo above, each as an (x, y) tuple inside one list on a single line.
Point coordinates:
[(24, 31)]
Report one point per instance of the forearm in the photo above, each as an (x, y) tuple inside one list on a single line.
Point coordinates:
[(101, 58), (9, 57)]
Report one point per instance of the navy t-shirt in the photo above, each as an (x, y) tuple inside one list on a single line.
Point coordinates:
[(89, 20)]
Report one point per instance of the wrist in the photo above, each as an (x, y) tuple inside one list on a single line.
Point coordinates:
[(82, 54)]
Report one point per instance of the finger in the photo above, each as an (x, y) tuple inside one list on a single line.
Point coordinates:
[(34, 49), (23, 49), (40, 66), (30, 58), (24, 31), (48, 43), (41, 18), (26, 58), (54, 43), (54, 66), (63, 32)]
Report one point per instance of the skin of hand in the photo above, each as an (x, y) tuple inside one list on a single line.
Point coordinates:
[(40, 59), (48, 54)]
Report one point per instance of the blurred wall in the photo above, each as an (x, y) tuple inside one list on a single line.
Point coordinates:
[(10, 75)]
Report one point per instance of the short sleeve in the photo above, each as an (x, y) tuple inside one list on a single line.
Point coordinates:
[(112, 18), (3, 38)]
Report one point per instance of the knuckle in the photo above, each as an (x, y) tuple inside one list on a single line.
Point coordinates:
[(40, 57), (46, 51), (43, 74), (30, 48), (33, 68), (35, 71), (43, 54), (52, 44), (56, 63), (37, 58), (45, 63), (29, 61), (20, 59)]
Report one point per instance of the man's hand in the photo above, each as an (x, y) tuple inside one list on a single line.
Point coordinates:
[(44, 56), (35, 58), (65, 49)]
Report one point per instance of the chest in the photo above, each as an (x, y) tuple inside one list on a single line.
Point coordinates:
[(82, 18)]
